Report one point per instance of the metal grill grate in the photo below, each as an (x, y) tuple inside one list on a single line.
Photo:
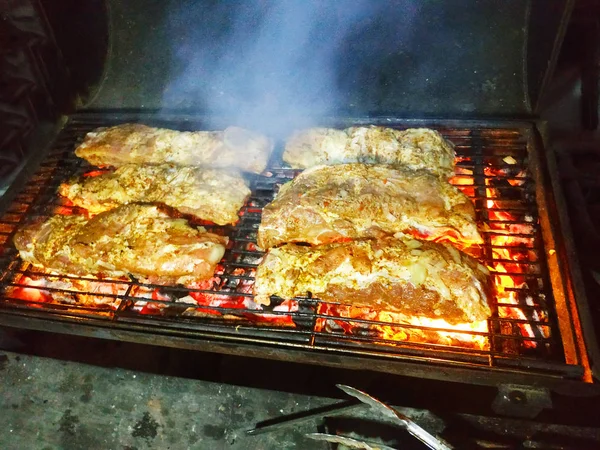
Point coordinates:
[(492, 169)]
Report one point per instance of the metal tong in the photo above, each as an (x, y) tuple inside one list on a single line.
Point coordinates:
[(399, 419)]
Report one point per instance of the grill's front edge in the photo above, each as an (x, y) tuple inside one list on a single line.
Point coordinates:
[(534, 344)]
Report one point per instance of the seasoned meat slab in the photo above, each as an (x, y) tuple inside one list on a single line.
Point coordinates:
[(140, 144), (327, 204), (137, 240), (416, 148), (412, 277), (210, 194)]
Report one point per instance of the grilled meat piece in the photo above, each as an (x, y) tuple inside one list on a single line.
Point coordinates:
[(213, 195), (137, 240), (327, 204), (140, 144), (417, 149), (407, 276)]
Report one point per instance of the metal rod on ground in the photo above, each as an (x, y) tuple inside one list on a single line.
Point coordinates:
[(304, 416)]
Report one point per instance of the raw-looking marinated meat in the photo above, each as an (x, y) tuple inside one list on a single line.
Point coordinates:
[(138, 240), (210, 194), (415, 148), (141, 144), (351, 201), (411, 277)]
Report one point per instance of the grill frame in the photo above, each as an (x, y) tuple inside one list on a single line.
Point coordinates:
[(573, 370)]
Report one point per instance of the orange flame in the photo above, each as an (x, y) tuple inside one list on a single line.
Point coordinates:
[(472, 334), (48, 288), (32, 291), (402, 327)]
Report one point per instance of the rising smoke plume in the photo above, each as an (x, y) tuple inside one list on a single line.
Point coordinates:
[(275, 64)]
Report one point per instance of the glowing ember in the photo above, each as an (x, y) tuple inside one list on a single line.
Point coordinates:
[(507, 264), (32, 291), (49, 288), (462, 334), (208, 301), (67, 208), (95, 173), (402, 327), (464, 181)]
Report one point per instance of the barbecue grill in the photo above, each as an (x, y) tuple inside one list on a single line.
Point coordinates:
[(539, 337)]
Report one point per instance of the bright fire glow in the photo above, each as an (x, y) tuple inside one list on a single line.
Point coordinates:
[(54, 289), (415, 329), (506, 250), (32, 291), (464, 334)]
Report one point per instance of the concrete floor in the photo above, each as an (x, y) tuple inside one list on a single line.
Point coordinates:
[(53, 404), (171, 403)]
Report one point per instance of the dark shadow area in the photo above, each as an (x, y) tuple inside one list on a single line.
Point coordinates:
[(81, 31)]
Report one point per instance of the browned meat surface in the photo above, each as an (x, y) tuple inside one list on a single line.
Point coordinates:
[(416, 148), (210, 194), (134, 240), (140, 144), (412, 277), (350, 201)]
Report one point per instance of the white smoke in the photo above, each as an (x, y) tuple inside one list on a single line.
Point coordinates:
[(271, 65)]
